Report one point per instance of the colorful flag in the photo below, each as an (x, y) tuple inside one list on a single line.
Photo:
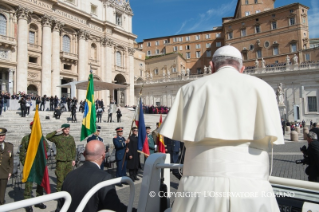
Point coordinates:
[(35, 166), (136, 116), (89, 117), (142, 144), (160, 139)]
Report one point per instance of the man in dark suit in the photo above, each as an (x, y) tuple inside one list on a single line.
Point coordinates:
[(79, 181), (6, 163), (312, 157), (96, 136), (315, 128), (173, 148), (120, 146)]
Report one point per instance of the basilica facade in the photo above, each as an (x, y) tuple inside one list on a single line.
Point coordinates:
[(46, 43)]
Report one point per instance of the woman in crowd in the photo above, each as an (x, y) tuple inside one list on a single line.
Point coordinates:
[(118, 115), (28, 105)]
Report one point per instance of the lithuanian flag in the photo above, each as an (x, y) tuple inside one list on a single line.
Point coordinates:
[(89, 117), (35, 166), (160, 138)]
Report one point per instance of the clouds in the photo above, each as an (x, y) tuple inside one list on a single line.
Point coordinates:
[(313, 19), (207, 20)]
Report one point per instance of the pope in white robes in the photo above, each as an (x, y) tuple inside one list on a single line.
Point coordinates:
[(228, 122)]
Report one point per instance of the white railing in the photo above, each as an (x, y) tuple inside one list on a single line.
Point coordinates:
[(97, 187), (38, 200)]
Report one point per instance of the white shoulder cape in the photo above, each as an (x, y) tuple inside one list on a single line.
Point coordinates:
[(226, 105)]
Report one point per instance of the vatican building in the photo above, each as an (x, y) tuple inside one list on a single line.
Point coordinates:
[(45, 44)]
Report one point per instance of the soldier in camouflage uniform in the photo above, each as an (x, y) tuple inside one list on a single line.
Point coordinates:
[(66, 152), (28, 185)]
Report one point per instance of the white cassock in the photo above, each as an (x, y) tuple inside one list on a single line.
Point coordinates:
[(228, 121)]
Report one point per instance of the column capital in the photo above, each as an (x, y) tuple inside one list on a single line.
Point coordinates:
[(23, 13), (83, 34), (57, 25), (131, 51), (47, 20), (107, 41)]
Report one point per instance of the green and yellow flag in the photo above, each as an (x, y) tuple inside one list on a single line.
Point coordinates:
[(89, 117)]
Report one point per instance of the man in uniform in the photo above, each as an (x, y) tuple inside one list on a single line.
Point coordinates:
[(120, 146), (66, 152), (28, 185), (155, 133), (96, 136), (173, 148), (151, 142), (6, 163), (133, 156)]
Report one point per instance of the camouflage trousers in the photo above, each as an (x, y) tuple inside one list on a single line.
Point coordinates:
[(28, 190), (62, 169)]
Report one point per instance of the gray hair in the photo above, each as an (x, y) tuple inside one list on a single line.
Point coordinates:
[(220, 61), (312, 135)]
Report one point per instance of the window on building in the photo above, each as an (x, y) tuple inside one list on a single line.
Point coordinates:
[(247, 13), (175, 48), (230, 35), (243, 32), (93, 51), (267, 44), (307, 57), (199, 71), (148, 43), (274, 25), (256, 1), (245, 56), (141, 45), (197, 37), (180, 48), (187, 38), (187, 47), (246, 2), (3, 25), (33, 59), (198, 54), (251, 47), (208, 53), (293, 47), (259, 54), (257, 11), (207, 36), (197, 46), (157, 51), (148, 53), (174, 39), (118, 58), (218, 35), (303, 20), (156, 43), (67, 67), (155, 71), (66, 44), (165, 41), (93, 9), (291, 11), (218, 44), (312, 104), (275, 50), (291, 21), (257, 29), (32, 37), (118, 19), (188, 55), (174, 70), (208, 45)]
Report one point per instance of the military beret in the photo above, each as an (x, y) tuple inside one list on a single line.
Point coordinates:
[(134, 128), (98, 128), (3, 131), (31, 123), (65, 126), (147, 127), (118, 129)]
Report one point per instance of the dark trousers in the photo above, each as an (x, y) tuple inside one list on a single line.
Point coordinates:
[(133, 173), (28, 110), (118, 118), (119, 171), (313, 178), (73, 116), (3, 186), (0, 111), (51, 107), (42, 104), (23, 111), (99, 118), (109, 119), (28, 190)]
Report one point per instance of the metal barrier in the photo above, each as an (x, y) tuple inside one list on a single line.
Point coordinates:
[(40, 199), (98, 186)]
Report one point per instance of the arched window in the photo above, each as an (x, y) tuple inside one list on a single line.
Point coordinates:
[(118, 58), (3, 25), (33, 34), (66, 43), (93, 51)]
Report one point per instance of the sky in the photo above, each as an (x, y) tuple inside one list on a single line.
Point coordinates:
[(157, 18)]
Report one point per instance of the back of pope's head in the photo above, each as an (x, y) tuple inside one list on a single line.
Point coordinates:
[(227, 56)]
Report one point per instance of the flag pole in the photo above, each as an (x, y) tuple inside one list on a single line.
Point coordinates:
[(132, 125)]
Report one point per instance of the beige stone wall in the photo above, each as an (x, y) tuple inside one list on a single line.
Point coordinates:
[(253, 6)]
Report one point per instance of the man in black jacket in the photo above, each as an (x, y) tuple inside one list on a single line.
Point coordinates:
[(315, 129), (79, 181), (312, 157)]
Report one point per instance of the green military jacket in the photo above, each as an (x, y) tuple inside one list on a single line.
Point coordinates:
[(6, 160), (24, 147), (151, 143), (65, 146)]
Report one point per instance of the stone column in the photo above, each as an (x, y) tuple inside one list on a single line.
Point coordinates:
[(3, 84), (108, 59), (11, 81), (22, 62), (131, 79), (83, 60), (46, 55), (56, 65)]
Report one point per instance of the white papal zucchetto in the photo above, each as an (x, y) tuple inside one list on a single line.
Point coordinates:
[(228, 51)]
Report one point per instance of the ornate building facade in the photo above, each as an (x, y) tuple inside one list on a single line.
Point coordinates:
[(46, 43)]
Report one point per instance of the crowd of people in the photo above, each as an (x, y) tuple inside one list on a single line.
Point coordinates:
[(151, 109)]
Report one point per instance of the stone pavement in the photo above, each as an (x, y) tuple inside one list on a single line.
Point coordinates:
[(283, 164)]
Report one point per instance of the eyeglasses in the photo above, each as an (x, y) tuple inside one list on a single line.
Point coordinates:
[(135, 130)]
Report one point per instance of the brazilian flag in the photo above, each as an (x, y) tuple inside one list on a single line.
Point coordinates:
[(89, 117)]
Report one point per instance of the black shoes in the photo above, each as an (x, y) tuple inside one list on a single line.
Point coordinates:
[(136, 178), (41, 206), (28, 209)]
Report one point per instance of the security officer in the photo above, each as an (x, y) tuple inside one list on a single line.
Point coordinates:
[(28, 185), (173, 148), (96, 136), (120, 146), (66, 152), (6, 163), (151, 142)]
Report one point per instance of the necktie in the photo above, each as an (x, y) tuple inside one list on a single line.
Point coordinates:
[(1, 147)]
